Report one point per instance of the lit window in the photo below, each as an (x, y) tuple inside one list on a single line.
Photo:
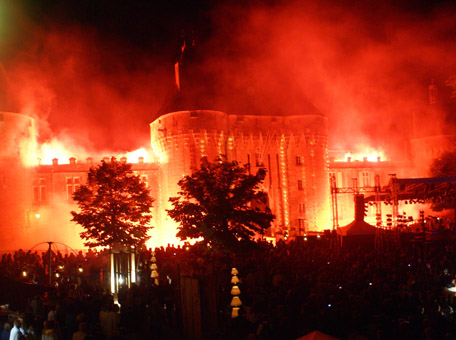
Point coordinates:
[(72, 184), (365, 178)]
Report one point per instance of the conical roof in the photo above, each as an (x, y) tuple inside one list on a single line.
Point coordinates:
[(205, 87)]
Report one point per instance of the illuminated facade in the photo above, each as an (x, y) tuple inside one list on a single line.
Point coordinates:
[(293, 149), (354, 176), (52, 189), (36, 200)]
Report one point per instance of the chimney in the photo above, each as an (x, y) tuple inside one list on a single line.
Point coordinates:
[(349, 159), (89, 160), (140, 159), (72, 160), (379, 159), (55, 161), (364, 159)]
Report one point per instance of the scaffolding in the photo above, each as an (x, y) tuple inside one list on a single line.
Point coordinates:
[(433, 190), (357, 190)]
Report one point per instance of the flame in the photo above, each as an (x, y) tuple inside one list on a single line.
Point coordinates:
[(54, 149), (133, 156), (364, 152)]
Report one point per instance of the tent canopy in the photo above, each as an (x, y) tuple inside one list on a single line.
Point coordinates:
[(357, 228), (316, 335)]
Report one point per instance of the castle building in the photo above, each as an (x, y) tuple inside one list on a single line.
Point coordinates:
[(35, 200), (293, 149)]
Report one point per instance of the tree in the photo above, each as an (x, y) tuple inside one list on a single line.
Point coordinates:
[(115, 206), (444, 166), (221, 203)]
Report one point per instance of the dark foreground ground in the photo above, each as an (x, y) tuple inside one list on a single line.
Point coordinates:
[(395, 290)]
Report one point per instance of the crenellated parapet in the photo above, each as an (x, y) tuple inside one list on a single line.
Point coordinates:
[(293, 149)]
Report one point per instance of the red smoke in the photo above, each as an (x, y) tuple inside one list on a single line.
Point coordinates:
[(365, 66), (80, 86)]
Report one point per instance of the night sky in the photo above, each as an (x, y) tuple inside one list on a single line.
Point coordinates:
[(96, 73)]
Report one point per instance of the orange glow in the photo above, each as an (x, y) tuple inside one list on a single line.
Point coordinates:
[(78, 80), (64, 149), (167, 235), (362, 153), (54, 149), (133, 156)]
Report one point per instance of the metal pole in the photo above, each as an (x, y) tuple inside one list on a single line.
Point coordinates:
[(113, 283), (50, 264), (133, 265), (335, 229)]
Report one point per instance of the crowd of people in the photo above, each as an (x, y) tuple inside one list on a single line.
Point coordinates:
[(35, 266), (287, 290)]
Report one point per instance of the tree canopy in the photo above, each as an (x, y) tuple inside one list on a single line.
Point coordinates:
[(222, 204), (444, 165), (115, 206)]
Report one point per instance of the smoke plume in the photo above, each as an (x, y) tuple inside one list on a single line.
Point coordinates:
[(366, 66)]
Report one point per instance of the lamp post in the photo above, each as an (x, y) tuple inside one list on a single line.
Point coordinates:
[(50, 263)]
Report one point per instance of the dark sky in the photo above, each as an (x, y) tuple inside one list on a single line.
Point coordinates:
[(98, 72)]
